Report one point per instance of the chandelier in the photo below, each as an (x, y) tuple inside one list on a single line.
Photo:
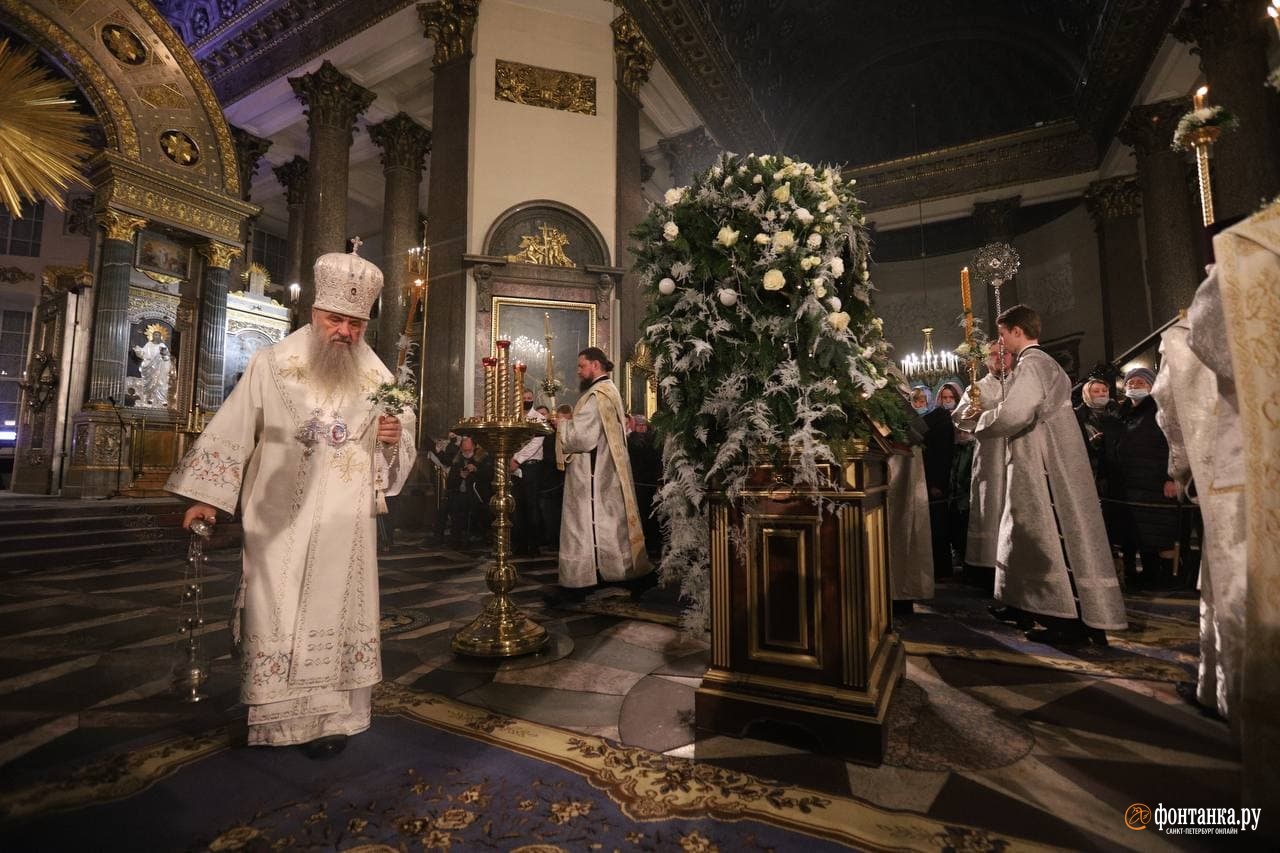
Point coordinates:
[(929, 367)]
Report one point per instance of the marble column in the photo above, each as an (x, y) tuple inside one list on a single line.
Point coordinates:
[(333, 102), (1171, 218), (213, 323), (250, 150), (1115, 205), (405, 145), (451, 25), (633, 59), (1232, 38), (997, 222), (111, 310), (688, 154), (293, 177)]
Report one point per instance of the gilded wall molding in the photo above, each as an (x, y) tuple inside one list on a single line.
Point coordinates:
[(218, 256), (147, 192), (632, 53), (451, 25), (121, 226), (13, 275), (1053, 151), (535, 86)]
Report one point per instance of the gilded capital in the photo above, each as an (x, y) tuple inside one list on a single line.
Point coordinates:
[(632, 54), (1113, 198), (404, 142), (450, 24), (332, 99), (249, 150), (219, 255), (293, 177), (121, 226), (1149, 127)]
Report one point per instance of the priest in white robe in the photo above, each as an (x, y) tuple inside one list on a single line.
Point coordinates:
[(1202, 423), (601, 537), (987, 486), (300, 448), (1051, 532)]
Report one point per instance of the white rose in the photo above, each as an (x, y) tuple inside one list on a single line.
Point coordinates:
[(674, 195), (782, 193), (742, 170), (822, 207), (774, 280), (835, 303), (878, 323), (758, 179), (670, 231), (803, 215), (838, 320), (727, 236), (819, 289), (762, 239), (813, 241), (808, 262), (783, 240), (837, 266), (829, 218)]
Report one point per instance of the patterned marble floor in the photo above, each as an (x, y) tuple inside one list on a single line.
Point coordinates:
[(1047, 755)]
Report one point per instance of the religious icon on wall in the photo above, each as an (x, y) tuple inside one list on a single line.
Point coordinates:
[(527, 323), (160, 254), (153, 355), (240, 346)]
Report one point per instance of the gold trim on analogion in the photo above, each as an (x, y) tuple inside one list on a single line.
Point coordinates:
[(722, 603), (534, 86)]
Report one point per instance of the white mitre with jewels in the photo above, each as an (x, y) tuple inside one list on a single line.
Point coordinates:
[(346, 283)]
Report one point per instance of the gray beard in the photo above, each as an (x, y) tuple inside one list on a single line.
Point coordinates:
[(333, 364)]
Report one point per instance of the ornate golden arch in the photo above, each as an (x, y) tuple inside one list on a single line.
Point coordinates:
[(170, 157)]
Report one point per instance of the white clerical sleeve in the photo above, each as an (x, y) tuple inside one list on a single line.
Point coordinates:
[(1017, 411), (213, 469), (581, 433), (1167, 419), (958, 416), (395, 471)]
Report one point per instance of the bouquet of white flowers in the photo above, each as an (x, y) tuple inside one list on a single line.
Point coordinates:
[(393, 398)]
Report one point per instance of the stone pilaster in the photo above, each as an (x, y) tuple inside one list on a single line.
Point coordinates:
[(111, 309), (293, 177), (997, 222), (1231, 38), (688, 154), (213, 323), (1116, 206), (333, 102), (451, 25), (633, 59), (1171, 216), (405, 145)]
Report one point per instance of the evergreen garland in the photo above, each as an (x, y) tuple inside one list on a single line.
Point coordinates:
[(764, 339)]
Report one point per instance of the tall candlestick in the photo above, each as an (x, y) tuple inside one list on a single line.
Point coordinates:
[(517, 398), (503, 393), (490, 377), (965, 300)]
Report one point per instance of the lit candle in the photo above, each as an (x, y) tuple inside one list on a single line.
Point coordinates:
[(490, 371), (1199, 97), (517, 401), (964, 290), (295, 290), (1275, 17), (546, 324), (503, 391)]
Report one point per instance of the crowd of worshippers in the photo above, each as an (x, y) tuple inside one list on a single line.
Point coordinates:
[(463, 516), (1146, 525)]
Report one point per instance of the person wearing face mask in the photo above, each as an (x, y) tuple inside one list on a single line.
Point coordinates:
[(1139, 493)]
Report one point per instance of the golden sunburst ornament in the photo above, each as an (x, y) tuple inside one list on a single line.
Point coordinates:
[(40, 147)]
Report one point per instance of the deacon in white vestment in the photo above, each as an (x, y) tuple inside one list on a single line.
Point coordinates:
[(987, 486), (1051, 530), (600, 529), (1207, 462), (302, 450)]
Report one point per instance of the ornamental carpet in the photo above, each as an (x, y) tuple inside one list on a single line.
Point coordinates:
[(1022, 754)]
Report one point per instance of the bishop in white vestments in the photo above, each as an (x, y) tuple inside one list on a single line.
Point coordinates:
[(600, 529), (304, 453)]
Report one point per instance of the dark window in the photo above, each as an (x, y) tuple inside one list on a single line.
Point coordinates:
[(14, 328), (273, 253), (22, 236)]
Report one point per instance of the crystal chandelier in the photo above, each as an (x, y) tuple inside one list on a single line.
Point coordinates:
[(929, 367)]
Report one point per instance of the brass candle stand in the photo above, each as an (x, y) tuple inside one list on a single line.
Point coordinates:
[(501, 630)]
